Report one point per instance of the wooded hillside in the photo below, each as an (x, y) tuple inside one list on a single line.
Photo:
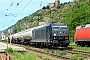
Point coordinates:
[(73, 13)]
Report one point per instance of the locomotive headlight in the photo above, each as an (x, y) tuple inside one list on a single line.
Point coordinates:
[(54, 34), (51, 41), (54, 37), (66, 37), (60, 32)]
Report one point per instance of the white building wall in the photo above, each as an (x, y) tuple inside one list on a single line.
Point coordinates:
[(2, 37)]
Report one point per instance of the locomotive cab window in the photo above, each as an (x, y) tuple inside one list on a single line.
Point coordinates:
[(64, 28), (82, 26), (56, 28)]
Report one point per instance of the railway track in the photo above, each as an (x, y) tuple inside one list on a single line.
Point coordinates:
[(48, 53), (74, 51), (39, 50)]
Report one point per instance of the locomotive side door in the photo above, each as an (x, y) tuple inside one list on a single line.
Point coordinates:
[(47, 34), (43, 34)]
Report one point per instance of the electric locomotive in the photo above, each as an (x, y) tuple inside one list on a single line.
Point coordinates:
[(82, 35), (51, 34)]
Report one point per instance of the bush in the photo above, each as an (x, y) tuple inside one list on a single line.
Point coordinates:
[(9, 50)]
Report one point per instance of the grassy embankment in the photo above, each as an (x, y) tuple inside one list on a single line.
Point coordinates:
[(23, 55)]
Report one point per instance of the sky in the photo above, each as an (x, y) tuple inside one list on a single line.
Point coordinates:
[(13, 10)]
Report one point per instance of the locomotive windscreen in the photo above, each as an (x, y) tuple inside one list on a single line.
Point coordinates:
[(64, 28), (58, 26), (60, 29), (55, 27)]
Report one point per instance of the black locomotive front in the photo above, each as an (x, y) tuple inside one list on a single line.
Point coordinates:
[(60, 34)]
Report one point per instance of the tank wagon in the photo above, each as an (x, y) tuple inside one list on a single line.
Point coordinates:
[(23, 37), (14, 38), (82, 35), (50, 34)]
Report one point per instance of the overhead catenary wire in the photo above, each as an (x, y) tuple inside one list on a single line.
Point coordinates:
[(11, 14), (25, 6), (10, 6), (15, 16), (17, 5), (21, 1), (22, 9)]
